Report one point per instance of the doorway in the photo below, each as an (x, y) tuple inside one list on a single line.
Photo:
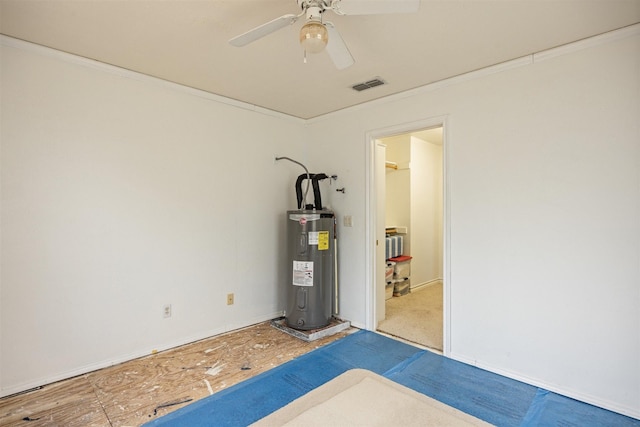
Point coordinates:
[(407, 190)]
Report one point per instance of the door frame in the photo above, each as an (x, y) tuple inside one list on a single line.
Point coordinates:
[(372, 214)]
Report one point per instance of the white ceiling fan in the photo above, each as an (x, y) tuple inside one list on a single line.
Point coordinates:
[(316, 33)]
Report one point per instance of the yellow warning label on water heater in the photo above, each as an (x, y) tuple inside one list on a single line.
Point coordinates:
[(323, 240)]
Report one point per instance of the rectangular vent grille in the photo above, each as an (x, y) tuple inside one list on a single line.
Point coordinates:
[(368, 85)]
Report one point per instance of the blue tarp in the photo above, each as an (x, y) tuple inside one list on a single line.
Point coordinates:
[(485, 395), (256, 397), (551, 409)]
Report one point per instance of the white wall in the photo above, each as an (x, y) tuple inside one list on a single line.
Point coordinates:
[(398, 197), (398, 187), (543, 166), (120, 194), (426, 212)]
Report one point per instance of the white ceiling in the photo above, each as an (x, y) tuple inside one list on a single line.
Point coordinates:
[(186, 41)]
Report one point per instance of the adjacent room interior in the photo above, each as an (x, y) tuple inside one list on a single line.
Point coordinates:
[(413, 228)]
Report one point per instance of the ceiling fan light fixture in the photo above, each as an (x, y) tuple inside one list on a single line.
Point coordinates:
[(313, 37)]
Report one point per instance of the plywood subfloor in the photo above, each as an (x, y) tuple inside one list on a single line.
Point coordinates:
[(132, 393)]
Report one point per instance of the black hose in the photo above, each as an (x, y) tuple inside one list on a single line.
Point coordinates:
[(316, 189)]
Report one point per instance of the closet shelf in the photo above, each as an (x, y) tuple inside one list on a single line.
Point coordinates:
[(397, 228)]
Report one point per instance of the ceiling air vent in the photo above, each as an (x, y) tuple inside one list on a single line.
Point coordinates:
[(368, 85)]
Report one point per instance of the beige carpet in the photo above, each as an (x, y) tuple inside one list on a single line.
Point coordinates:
[(416, 317), (362, 398)]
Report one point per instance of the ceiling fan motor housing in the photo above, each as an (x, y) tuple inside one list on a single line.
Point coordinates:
[(314, 8)]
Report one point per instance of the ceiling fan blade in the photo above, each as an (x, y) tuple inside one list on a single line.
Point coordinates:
[(337, 49), (263, 30), (374, 7)]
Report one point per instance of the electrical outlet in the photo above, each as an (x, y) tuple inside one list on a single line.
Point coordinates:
[(166, 311), (229, 299)]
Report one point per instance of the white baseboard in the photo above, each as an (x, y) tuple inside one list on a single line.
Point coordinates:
[(40, 382), (425, 284), (564, 391)]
